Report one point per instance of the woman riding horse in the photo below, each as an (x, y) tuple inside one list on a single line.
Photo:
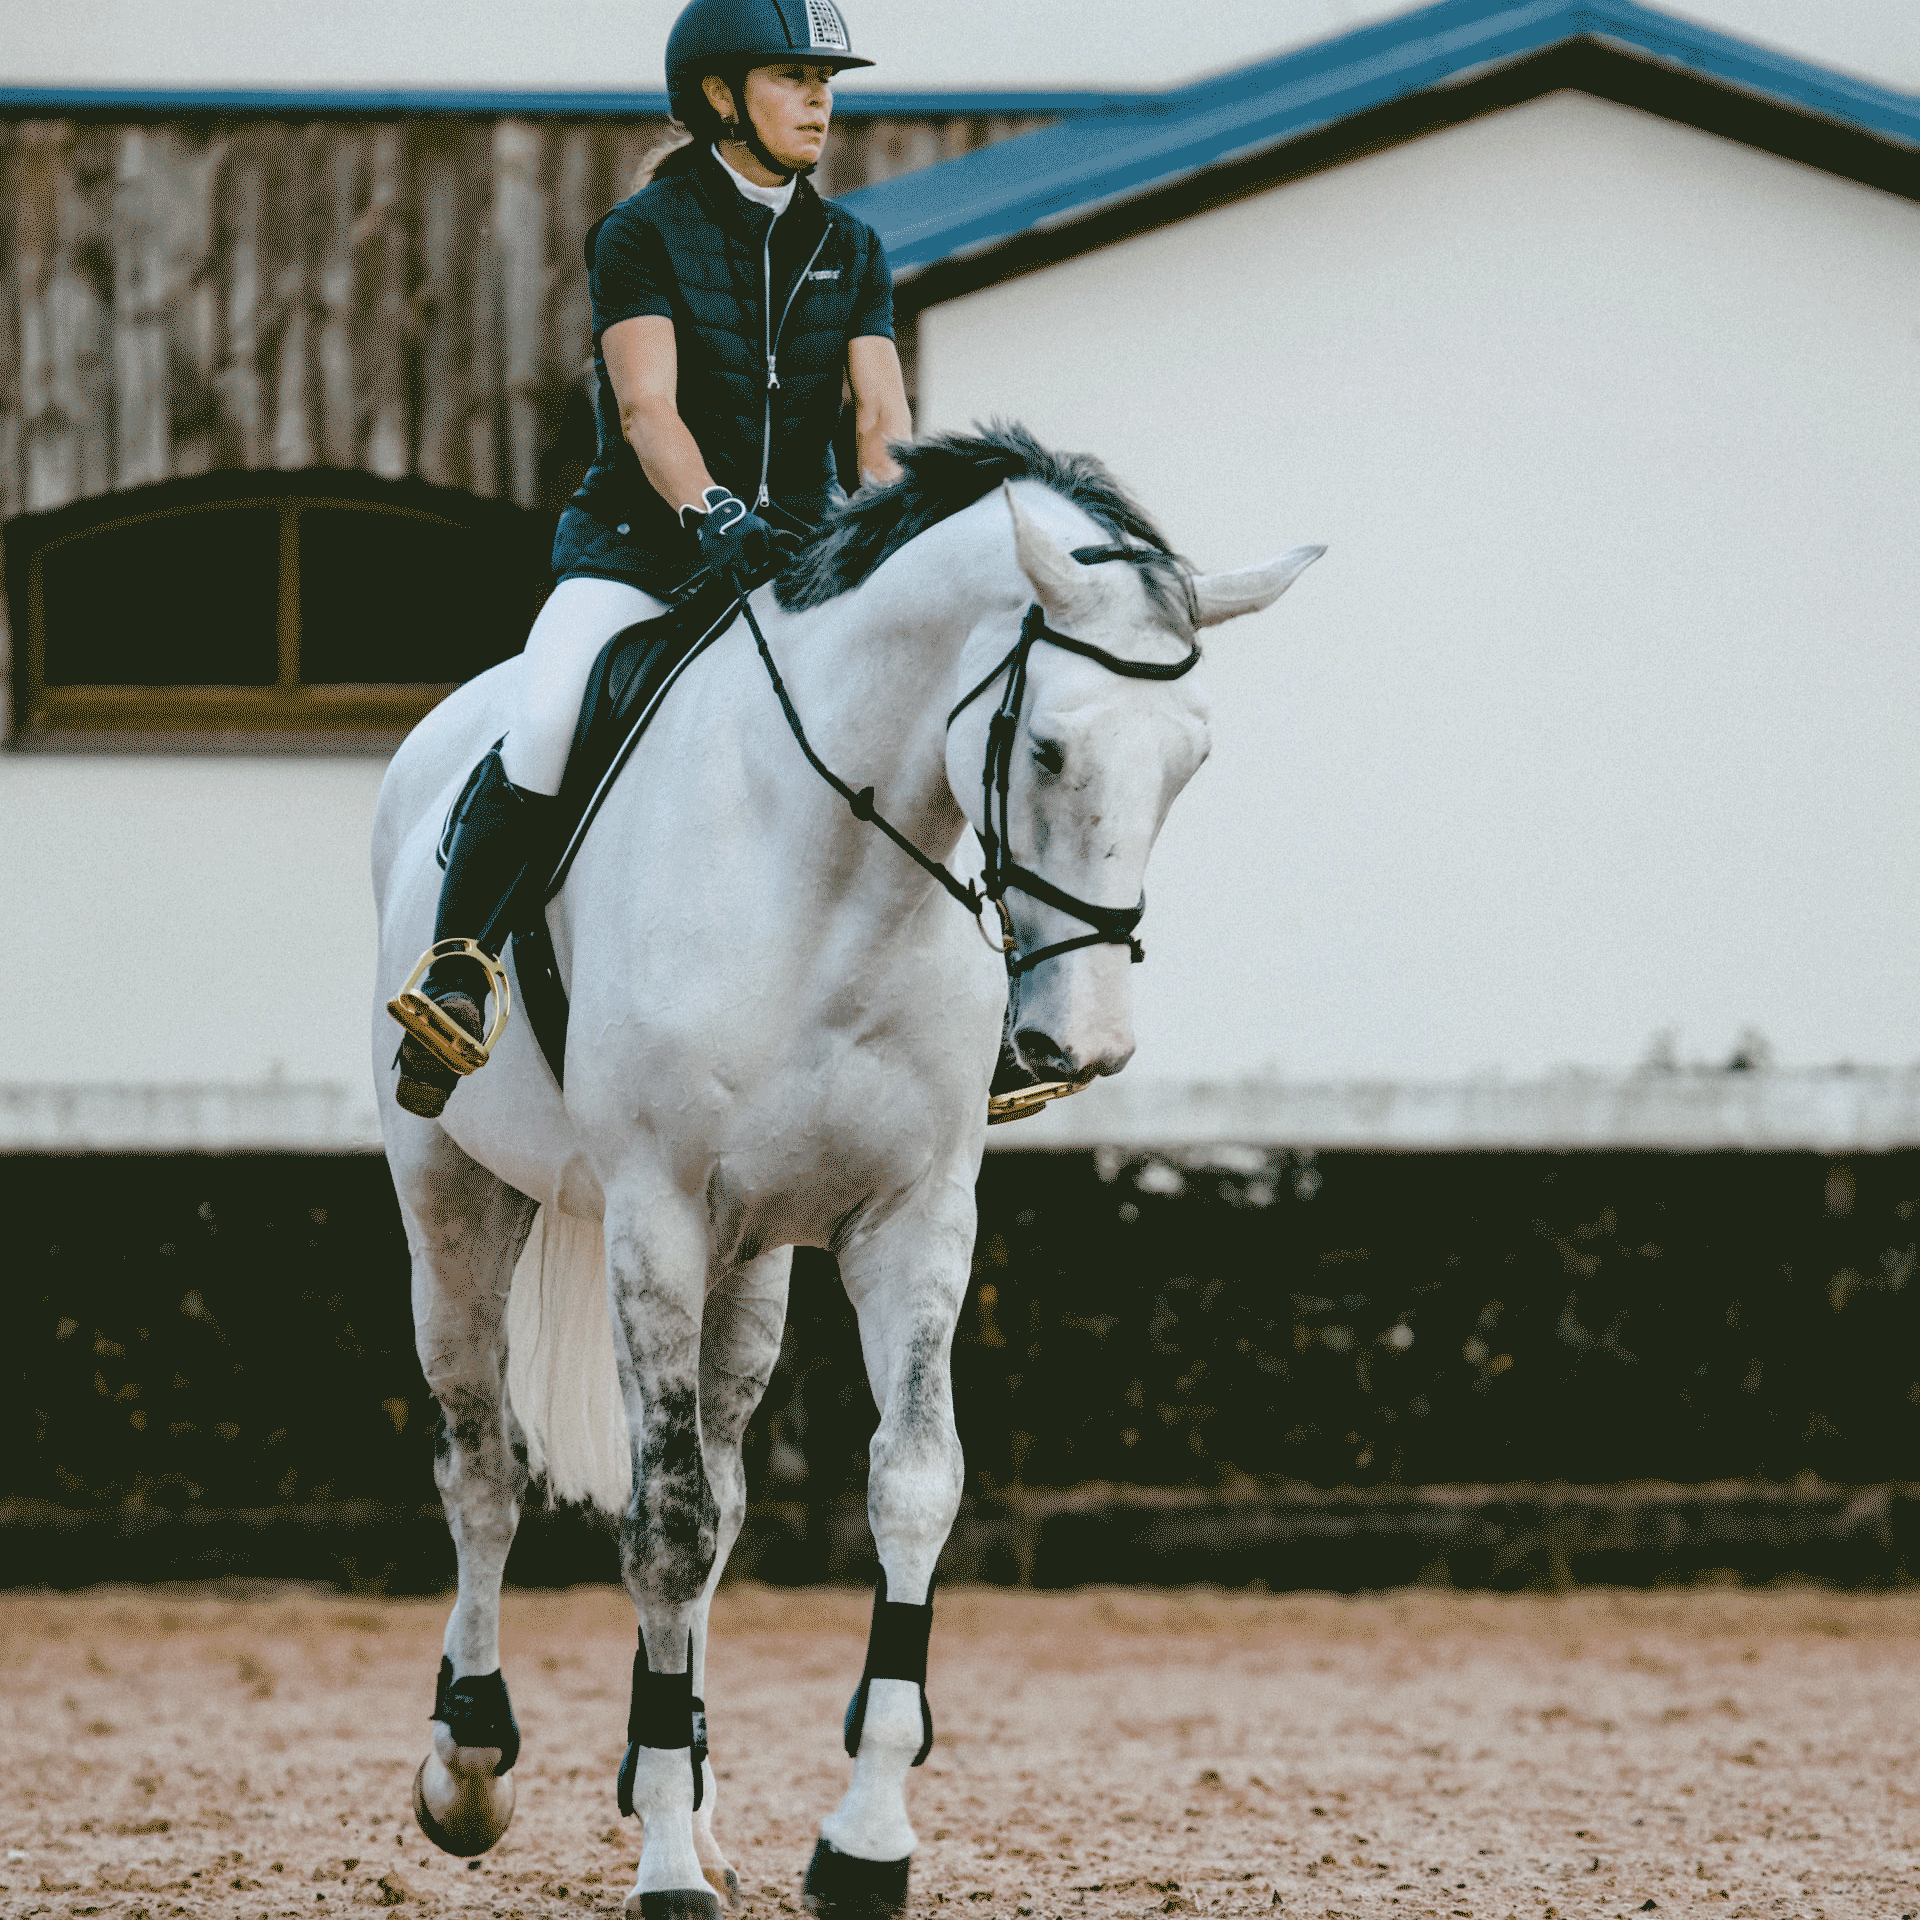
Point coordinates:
[(729, 303)]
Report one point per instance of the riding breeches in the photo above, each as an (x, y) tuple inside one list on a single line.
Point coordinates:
[(581, 615)]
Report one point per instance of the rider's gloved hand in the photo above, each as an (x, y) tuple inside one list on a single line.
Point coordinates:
[(734, 541)]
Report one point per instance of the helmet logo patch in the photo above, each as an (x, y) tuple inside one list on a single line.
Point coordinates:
[(828, 30)]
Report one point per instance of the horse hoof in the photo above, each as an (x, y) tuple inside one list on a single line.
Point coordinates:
[(476, 1817), (674, 1903), (725, 1882), (841, 1886)]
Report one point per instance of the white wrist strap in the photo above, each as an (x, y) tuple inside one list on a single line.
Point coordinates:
[(712, 501)]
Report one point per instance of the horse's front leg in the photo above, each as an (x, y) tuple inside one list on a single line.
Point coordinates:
[(746, 1315), (658, 1254), (465, 1230), (906, 1280)]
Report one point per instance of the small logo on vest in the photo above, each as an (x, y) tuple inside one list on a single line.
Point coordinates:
[(828, 29), (825, 273)]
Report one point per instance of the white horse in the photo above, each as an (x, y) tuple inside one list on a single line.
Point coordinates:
[(782, 1035)]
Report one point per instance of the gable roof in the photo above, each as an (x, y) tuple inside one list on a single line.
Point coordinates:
[(1140, 163)]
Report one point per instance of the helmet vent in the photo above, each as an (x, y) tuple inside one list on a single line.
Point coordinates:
[(827, 29)]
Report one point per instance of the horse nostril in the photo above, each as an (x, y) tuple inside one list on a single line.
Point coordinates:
[(1042, 1054)]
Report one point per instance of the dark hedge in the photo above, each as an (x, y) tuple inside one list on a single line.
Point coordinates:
[(235, 1332), (1442, 1318)]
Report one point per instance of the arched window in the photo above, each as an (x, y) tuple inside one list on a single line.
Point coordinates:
[(261, 604)]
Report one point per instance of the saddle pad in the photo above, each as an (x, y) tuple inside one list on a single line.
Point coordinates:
[(628, 675)]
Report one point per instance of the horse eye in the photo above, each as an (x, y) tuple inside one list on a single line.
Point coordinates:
[(1047, 756)]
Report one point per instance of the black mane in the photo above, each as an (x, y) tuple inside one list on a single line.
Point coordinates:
[(950, 471)]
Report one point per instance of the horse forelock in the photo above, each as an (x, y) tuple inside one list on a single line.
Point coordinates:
[(947, 473)]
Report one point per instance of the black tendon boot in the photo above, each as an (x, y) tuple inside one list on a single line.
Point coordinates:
[(842, 1886), (494, 858)]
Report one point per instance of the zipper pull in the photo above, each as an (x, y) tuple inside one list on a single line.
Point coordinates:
[(765, 499), (773, 375)]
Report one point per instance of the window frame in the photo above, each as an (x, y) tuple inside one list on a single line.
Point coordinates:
[(289, 710)]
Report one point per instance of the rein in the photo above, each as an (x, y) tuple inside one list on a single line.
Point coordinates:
[(1111, 926), (861, 802)]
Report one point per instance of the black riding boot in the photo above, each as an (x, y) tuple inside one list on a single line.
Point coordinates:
[(495, 857)]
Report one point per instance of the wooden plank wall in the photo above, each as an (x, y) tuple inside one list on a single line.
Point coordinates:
[(402, 297)]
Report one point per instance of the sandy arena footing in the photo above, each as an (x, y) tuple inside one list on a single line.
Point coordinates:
[(237, 1753)]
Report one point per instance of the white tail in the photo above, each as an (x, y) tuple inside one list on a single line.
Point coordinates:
[(561, 1376)]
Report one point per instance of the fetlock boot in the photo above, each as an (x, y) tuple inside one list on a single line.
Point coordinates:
[(495, 854)]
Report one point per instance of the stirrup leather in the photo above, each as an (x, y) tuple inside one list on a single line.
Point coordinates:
[(1023, 1101), (443, 1036)]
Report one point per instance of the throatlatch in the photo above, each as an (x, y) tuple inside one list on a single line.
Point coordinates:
[(896, 1650), (478, 1713), (665, 1712)]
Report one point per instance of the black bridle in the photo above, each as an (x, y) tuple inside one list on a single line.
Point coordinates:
[(1111, 926)]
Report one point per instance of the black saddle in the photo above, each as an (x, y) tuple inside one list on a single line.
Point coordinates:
[(630, 675)]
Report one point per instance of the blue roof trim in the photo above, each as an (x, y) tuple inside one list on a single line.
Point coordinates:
[(494, 103), (1883, 112), (1058, 176)]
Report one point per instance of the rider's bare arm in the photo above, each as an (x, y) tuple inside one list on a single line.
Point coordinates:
[(644, 366), (880, 412)]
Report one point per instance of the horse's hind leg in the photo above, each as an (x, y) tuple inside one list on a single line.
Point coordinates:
[(740, 1338), (906, 1282), (465, 1230)]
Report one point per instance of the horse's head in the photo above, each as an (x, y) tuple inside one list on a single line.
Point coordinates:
[(1099, 727)]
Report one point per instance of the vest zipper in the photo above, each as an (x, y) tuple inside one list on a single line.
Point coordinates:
[(773, 344)]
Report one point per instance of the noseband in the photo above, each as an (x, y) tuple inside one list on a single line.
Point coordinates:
[(1111, 926)]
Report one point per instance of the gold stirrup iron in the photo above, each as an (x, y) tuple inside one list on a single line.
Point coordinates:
[(443, 1036), (1017, 1105)]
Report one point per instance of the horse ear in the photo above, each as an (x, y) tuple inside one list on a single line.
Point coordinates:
[(1062, 583), (1225, 596)]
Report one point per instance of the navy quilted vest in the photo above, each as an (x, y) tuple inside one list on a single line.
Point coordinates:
[(761, 325)]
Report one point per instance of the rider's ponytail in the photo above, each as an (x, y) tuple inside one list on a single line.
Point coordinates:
[(677, 151)]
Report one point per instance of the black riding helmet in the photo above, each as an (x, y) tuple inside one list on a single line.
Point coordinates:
[(728, 37)]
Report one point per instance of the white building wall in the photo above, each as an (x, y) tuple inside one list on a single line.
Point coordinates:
[(178, 925), (1596, 723)]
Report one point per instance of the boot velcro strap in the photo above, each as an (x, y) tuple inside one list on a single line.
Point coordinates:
[(477, 1712), (897, 1645)]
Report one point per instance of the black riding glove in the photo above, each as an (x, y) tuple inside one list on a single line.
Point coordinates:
[(735, 543)]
